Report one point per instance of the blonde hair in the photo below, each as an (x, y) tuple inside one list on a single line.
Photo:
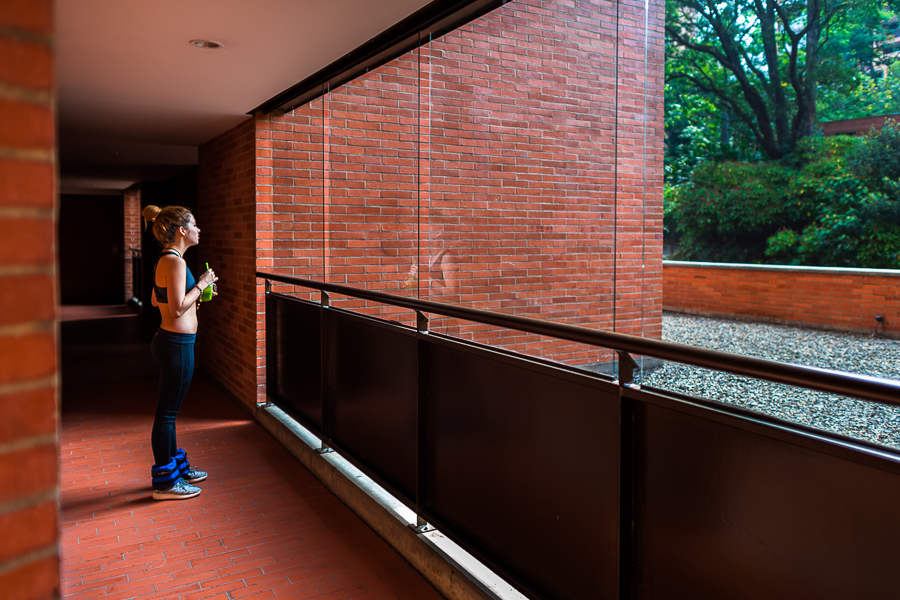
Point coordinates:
[(166, 222)]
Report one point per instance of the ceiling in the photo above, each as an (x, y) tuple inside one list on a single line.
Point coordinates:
[(136, 99)]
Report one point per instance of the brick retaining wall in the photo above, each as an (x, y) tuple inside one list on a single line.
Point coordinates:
[(819, 297)]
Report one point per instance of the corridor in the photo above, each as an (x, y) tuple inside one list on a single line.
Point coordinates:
[(263, 528)]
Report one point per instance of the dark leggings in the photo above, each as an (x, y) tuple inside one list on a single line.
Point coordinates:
[(174, 353)]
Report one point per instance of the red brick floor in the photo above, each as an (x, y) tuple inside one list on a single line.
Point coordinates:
[(263, 528)]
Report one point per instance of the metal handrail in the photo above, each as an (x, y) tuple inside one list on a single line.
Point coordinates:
[(876, 389)]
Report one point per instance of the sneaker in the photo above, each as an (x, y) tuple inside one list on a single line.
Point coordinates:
[(187, 473), (180, 491), (193, 475)]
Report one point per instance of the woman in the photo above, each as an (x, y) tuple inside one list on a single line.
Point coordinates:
[(176, 294)]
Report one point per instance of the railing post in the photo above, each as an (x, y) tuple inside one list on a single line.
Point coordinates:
[(324, 353), (626, 494), (421, 525), (626, 368)]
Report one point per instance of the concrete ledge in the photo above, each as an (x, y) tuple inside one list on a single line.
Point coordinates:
[(432, 554)]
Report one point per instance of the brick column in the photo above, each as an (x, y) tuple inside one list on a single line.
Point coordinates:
[(226, 214), (29, 555)]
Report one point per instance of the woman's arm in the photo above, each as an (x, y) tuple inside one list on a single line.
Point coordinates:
[(175, 272)]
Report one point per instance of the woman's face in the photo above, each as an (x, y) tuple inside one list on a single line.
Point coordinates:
[(192, 232)]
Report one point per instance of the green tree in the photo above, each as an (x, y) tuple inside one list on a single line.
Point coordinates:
[(863, 96), (762, 62)]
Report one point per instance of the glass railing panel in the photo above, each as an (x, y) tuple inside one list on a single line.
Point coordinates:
[(371, 177), (519, 172), (838, 351), (503, 166), (639, 122)]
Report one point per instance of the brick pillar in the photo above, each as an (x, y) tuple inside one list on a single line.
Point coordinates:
[(133, 227), (226, 214), (29, 529)]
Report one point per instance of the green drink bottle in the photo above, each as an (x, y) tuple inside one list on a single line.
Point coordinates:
[(207, 293)]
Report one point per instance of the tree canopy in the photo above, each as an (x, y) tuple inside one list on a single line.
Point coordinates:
[(755, 68)]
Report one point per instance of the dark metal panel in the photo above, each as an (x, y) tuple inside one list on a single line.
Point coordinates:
[(726, 507), (372, 389), (293, 360), (834, 382), (523, 469)]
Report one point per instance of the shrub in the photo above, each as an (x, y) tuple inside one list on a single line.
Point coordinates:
[(834, 202), (875, 159), (783, 247), (729, 210)]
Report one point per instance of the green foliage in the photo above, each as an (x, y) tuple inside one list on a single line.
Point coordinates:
[(851, 239), (860, 96), (859, 220), (782, 247), (835, 202), (729, 210), (699, 131), (875, 160), (746, 178)]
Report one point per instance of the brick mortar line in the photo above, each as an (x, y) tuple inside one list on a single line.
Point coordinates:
[(26, 36), (29, 501), (27, 559), (14, 92), (44, 156), (51, 381), (20, 329), (28, 212), (48, 439), (15, 270)]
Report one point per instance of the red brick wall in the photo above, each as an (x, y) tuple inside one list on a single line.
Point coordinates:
[(29, 556), (547, 196), (841, 299), (526, 146), (133, 227), (859, 126), (226, 214)]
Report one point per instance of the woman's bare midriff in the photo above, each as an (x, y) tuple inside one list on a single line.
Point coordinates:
[(186, 323)]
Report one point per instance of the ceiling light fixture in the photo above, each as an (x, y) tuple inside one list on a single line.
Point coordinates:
[(209, 44)]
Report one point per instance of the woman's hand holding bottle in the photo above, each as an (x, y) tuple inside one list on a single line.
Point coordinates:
[(208, 285)]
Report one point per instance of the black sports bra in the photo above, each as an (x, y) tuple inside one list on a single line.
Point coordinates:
[(162, 294)]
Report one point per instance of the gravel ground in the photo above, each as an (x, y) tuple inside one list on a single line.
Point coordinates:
[(876, 356)]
